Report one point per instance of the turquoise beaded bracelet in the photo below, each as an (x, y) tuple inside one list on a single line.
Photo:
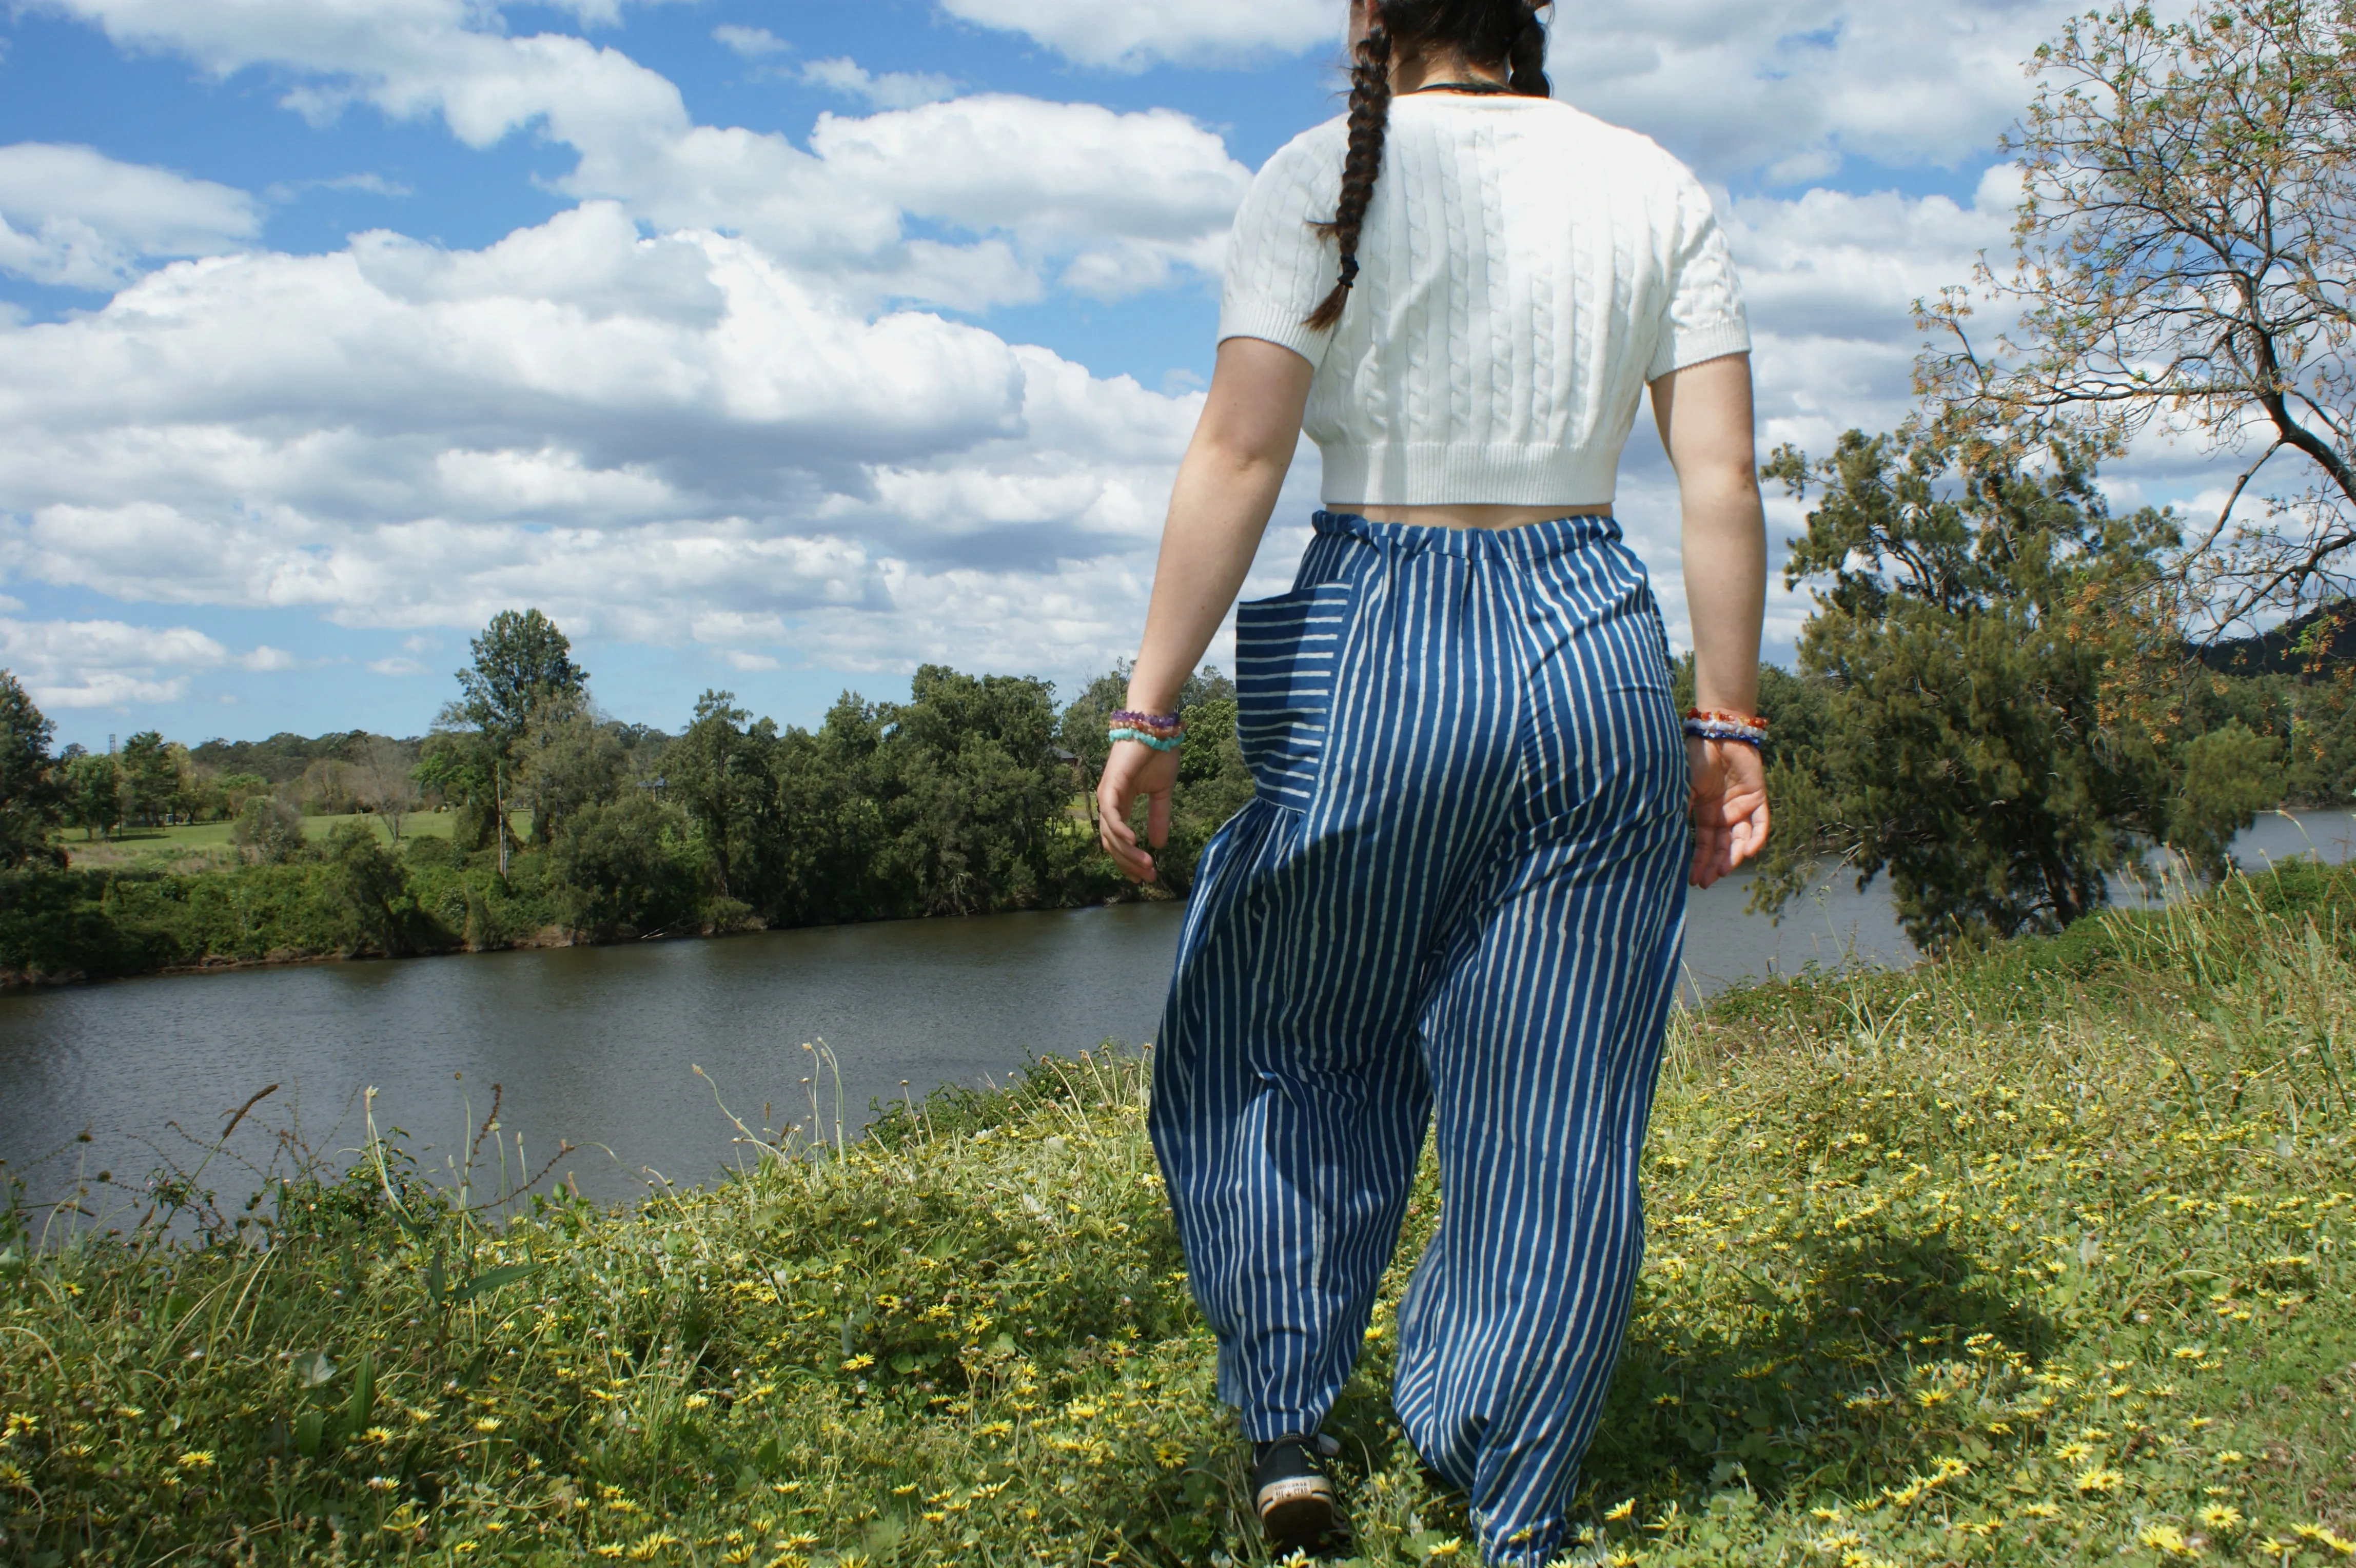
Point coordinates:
[(1159, 743)]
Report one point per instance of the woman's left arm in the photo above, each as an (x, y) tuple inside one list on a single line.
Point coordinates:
[(1219, 508)]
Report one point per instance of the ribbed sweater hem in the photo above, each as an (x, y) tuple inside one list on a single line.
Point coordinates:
[(1444, 474)]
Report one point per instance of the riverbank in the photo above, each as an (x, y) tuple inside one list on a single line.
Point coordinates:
[(2036, 1258)]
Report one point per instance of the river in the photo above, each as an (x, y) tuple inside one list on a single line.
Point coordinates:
[(597, 1045)]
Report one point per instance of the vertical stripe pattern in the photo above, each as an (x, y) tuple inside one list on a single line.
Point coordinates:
[(1454, 902)]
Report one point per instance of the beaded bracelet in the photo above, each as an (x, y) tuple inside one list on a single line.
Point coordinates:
[(1725, 716), (1160, 724), (1754, 735), (1145, 737)]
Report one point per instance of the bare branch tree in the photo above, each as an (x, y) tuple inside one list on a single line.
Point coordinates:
[(382, 783), (2186, 255)]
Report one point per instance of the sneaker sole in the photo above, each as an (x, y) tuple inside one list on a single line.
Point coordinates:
[(1296, 1514)]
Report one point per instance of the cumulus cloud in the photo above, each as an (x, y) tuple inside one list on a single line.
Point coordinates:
[(1132, 38), (663, 439), (73, 217), (1789, 89), (1114, 202), (892, 90), (110, 665)]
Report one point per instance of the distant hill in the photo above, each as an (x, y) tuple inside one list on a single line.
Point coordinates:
[(2291, 649), (282, 759)]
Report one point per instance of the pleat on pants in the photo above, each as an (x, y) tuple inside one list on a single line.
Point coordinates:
[(1458, 889)]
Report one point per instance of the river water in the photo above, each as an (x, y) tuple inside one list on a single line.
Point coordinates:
[(597, 1045)]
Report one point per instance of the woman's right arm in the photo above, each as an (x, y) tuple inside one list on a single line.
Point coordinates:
[(1219, 508), (1706, 421)]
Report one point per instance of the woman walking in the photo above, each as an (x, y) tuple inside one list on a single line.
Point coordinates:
[(1457, 897)]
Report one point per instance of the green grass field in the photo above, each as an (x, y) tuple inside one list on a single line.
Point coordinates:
[(204, 843), (2037, 1258)]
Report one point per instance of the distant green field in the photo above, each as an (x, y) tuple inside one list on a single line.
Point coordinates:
[(134, 846)]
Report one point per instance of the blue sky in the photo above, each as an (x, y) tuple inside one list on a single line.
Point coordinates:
[(774, 347)]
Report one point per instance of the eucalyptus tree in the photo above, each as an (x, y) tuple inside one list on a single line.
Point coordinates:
[(2185, 265)]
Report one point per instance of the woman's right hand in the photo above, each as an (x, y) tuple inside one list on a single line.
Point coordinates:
[(1727, 803), (1135, 768)]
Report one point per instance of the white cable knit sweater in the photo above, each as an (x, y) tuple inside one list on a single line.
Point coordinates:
[(1526, 270)]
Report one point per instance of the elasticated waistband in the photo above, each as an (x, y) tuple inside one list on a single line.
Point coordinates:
[(1523, 542)]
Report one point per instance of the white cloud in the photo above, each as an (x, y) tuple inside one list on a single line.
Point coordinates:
[(1134, 36), (1789, 87), (74, 217), (893, 90), (110, 665), (751, 43), (666, 440)]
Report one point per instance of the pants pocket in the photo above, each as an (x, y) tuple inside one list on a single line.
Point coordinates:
[(1287, 650)]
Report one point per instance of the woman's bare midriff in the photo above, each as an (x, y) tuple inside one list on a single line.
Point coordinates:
[(1471, 516)]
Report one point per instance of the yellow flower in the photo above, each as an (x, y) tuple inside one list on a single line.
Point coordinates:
[(382, 1484), (197, 1459), (378, 1434), (2231, 1457), (2098, 1480), (2270, 1547), (487, 1424), (858, 1363), (2167, 1538), (1620, 1512), (1448, 1548), (2218, 1516), (2071, 1453)]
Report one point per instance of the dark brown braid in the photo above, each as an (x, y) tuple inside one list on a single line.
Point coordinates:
[(1506, 32)]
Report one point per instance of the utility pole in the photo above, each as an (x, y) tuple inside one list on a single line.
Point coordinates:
[(500, 801)]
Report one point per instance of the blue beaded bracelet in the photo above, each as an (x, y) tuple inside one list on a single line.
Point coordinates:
[(1719, 729), (1158, 743)]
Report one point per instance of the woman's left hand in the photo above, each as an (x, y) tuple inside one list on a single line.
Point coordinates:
[(1728, 805), (1135, 768)]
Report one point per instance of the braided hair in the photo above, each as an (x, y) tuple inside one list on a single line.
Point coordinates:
[(1506, 32)]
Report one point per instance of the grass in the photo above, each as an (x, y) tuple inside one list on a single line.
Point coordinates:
[(2035, 1258), (197, 846)]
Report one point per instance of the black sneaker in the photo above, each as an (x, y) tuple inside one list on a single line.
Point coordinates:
[(1295, 1499)]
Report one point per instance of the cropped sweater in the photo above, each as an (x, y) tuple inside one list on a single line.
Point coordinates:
[(1526, 270)]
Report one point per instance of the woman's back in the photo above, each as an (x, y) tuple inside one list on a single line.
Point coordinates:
[(1524, 270)]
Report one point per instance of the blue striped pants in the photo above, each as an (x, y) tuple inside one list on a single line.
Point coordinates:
[(1457, 891)]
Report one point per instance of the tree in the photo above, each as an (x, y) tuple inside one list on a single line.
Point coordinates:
[(520, 661), (568, 758), (29, 796), (1972, 624), (269, 831), (717, 770), (381, 780), (627, 867), (93, 793), (2186, 252), (149, 777)]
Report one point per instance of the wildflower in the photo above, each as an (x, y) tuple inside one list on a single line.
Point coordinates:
[(382, 1484), (858, 1363), (1613, 1515), (611, 1549), (2071, 1453), (2231, 1457), (487, 1424), (2189, 1352), (2220, 1516), (197, 1459), (1448, 1548), (2345, 1548), (377, 1434), (2098, 1480), (1082, 1411), (22, 1425), (2167, 1538), (699, 1402)]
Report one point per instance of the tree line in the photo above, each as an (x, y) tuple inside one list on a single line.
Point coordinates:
[(970, 796)]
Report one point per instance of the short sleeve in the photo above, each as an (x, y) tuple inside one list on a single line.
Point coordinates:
[(1704, 318), (1279, 267)]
